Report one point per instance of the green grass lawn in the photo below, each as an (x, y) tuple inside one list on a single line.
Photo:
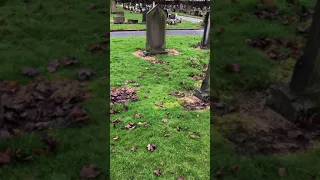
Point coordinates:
[(180, 155), (138, 16), (258, 71), (35, 33)]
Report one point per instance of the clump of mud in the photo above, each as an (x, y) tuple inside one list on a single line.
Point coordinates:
[(257, 129)]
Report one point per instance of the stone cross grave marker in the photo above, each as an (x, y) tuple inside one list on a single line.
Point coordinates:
[(113, 6), (203, 92), (205, 42), (156, 31), (299, 101)]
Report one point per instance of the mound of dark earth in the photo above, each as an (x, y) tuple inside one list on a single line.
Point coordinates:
[(257, 129)]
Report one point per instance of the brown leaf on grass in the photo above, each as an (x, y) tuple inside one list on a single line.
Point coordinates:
[(77, 112), (234, 67), (151, 147), (138, 115), (282, 172), (30, 72), (131, 126), (4, 158), (113, 111), (164, 120), (85, 74), (192, 136), (117, 120), (53, 65), (68, 60), (159, 104), (143, 123), (133, 148), (90, 171), (180, 178), (161, 163), (234, 169), (219, 173), (116, 138), (166, 135), (157, 172), (38, 151), (51, 144)]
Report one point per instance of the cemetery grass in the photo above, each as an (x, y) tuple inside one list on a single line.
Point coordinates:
[(138, 16), (180, 155), (258, 72), (33, 34)]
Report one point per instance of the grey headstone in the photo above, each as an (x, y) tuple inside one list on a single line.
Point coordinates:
[(144, 15), (118, 20), (205, 43), (113, 6), (156, 31)]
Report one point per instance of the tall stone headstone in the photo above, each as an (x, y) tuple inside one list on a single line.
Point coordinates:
[(205, 42), (113, 6), (203, 92), (156, 31), (300, 100)]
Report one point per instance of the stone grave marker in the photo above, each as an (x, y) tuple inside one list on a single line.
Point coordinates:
[(203, 92), (156, 31), (120, 13), (205, 42), (132, 21), (144, 15), (118, 20), (113, 6), (172, 16), (300, 100)]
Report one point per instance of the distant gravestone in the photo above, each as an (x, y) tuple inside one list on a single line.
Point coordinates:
[(120, 14), (172, 16), (156, 31), (144, 15), (132, 21), (113, 6), (118, 20), (205, 43), (203, 92)]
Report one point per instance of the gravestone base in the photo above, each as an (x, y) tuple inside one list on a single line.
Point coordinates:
[(295, 108), (204, 47), (153, 53), (205, 97)]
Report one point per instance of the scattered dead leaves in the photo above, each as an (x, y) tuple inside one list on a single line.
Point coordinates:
[(121, 95), (157, 172)]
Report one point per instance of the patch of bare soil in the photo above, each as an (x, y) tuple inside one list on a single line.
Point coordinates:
[(40, 105), (139, 54), (193, 103), (257, 129)]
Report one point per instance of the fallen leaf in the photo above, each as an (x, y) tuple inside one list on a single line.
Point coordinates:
[(68, 60), (53, 65), (85, 74), (30, 72), (192, 136), (165, 120), (90, 171), (4, 158), (116, 138), (157, 172), (38, 150), (234, 169), (138, 116), (166, 135), (151, 147), (133, 148)]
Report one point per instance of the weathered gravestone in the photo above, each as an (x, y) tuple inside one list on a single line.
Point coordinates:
[(205, 42), (172, 16), (132, 21), (300, 100), (118, 20), (203, 92), (156, 31), (120, 13), (113, 6), (144, 15)]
